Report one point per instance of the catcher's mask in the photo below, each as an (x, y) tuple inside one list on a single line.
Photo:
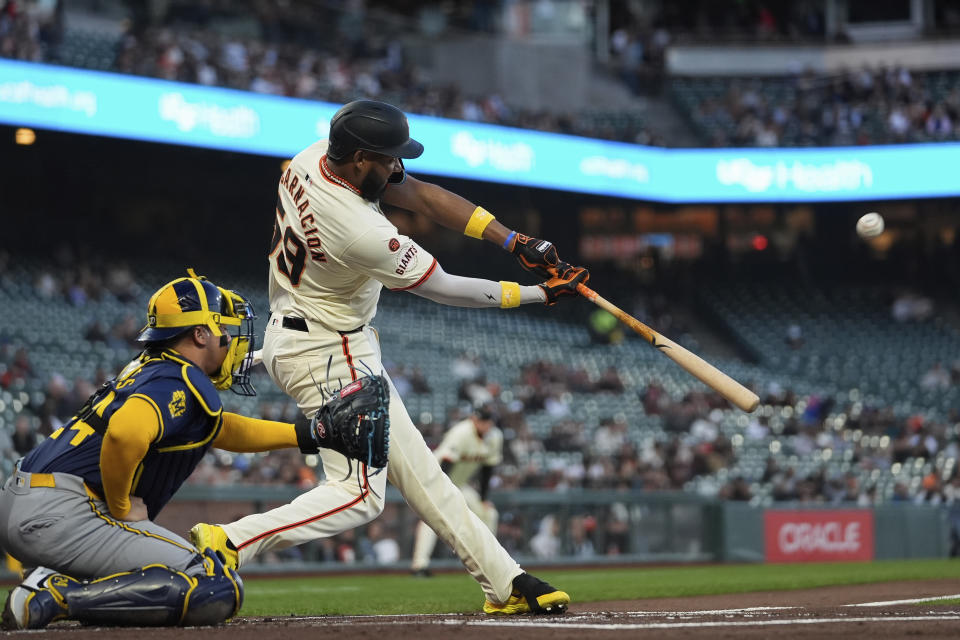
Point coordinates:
[(184, 303)]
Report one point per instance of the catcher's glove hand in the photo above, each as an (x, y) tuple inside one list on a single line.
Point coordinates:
[(355, 422), (536, 256)]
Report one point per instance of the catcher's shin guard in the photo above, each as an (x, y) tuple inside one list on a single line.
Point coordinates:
[(157, 595), (38, 600)]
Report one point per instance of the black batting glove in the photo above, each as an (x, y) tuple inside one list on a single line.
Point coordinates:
[(536, 256), (564, 282)]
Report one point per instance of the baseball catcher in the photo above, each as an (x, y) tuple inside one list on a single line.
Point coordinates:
[(78, 511)]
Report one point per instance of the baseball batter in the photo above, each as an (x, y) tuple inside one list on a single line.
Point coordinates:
[(470, 446), (332, 253), (81, 505)]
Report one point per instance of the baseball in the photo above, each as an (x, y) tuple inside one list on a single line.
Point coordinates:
[(870, 225)]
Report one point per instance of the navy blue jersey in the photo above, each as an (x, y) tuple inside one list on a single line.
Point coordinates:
[(189, 411)]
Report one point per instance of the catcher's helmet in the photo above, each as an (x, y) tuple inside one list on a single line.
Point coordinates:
[(371, 126), (184, 303)]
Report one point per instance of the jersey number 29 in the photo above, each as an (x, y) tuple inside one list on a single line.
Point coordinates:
[(292, 257)]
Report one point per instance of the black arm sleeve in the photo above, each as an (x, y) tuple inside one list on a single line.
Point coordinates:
[(302, 427), (486, 472)]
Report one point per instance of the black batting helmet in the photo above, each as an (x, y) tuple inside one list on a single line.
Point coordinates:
[(371, 126)]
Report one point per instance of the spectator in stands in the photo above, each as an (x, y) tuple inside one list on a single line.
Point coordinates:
[(936, 378), (18, 369), (545, 545), (383, 547), (610, 437), (609, 381), (617, 530), (24, 436), (794, 337), (931, 490), (580, 530)]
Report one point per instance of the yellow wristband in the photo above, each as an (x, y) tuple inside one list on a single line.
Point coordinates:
[(509, 295), (478, 222)]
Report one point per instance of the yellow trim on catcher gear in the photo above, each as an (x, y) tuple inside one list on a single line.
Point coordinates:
[(193, 445), (479, 220), (509, 295), (119, 523), (197, 394), (192, 318)]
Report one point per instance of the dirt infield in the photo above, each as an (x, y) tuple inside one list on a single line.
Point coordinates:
[(874, 611)]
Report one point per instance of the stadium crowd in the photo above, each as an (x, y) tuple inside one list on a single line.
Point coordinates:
[(334, 58), (864, 106), (281, 54), (696, 445)]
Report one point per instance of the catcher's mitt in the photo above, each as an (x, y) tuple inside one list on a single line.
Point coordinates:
[(355, 422)]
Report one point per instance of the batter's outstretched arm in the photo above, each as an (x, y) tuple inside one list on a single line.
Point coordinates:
[(442, 206), (458, 291), (457, 213)]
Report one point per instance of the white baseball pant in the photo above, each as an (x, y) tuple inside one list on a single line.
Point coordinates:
[(426, 538), (341, 503)]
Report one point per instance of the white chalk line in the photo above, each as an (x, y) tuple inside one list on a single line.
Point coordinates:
[(676, 625), (910, 601), (595, 625), (590, 622), (567, 616), (693, 614)]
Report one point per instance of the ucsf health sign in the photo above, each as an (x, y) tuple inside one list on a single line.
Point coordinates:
[(818, 535), (107, 104)]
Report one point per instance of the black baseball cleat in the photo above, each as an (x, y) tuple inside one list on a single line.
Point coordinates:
[(422, 573), (530, 595)]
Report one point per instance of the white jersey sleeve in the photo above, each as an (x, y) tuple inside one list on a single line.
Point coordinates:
[(394, 260)]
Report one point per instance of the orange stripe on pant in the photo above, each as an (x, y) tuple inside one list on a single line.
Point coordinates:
[(346, 352), (327, 514)]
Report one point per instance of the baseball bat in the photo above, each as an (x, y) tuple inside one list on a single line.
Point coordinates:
[(696, 366)]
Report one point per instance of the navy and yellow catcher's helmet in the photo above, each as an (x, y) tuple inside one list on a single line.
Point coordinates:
[(184, 303)]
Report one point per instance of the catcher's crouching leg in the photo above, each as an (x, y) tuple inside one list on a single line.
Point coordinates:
[(157, 595)]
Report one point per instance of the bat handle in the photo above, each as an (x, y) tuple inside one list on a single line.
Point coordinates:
[(587, 292), (645, 332)]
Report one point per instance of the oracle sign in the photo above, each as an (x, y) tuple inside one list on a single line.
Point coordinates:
[(818, 536)]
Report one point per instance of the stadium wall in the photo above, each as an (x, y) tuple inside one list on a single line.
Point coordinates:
[(695, 60), (658, 527)]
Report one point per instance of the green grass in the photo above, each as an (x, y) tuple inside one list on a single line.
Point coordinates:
[(457, 592)]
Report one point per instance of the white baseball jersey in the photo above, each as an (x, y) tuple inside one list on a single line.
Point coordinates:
[(464, 447), (332, 249)]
